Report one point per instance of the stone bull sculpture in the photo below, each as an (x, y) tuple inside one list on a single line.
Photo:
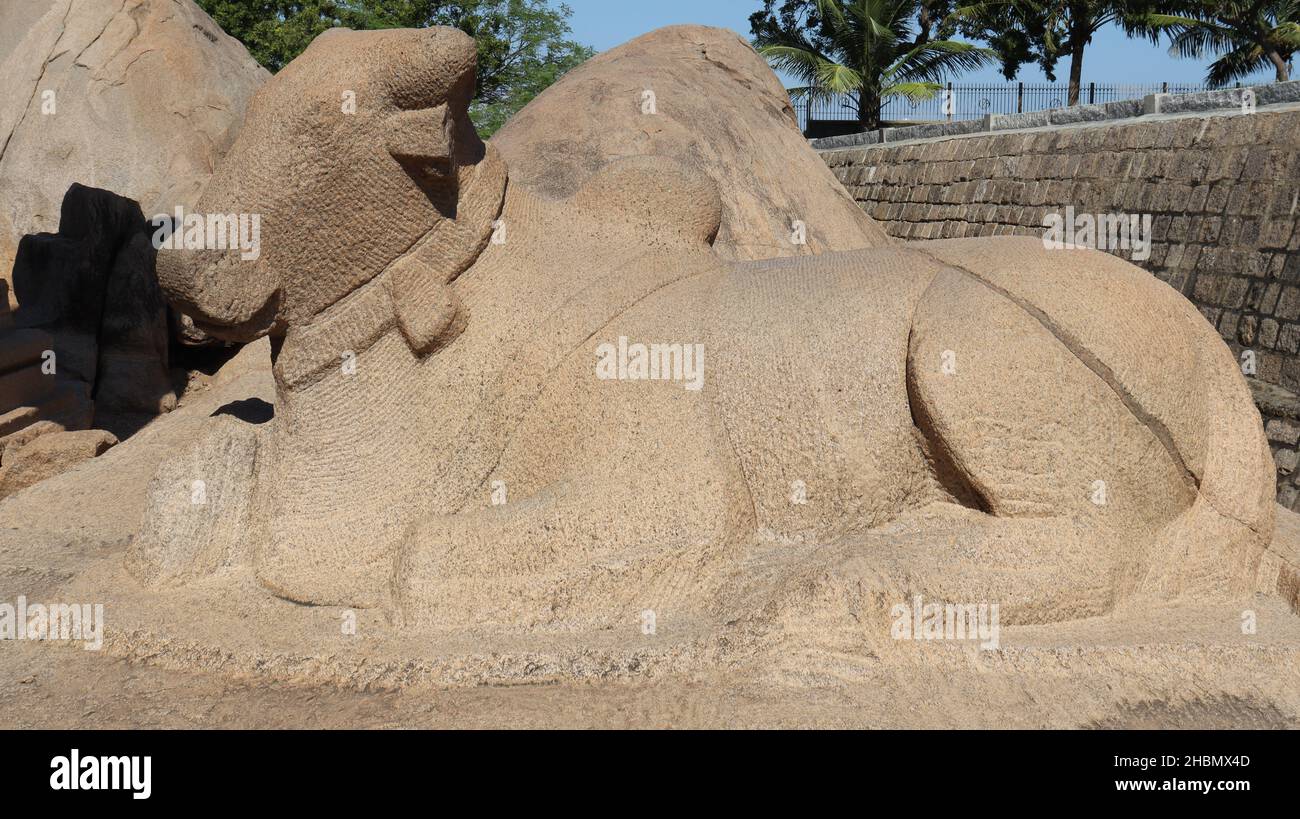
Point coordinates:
[(487, 408)]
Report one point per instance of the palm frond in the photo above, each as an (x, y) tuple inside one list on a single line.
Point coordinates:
[(935, 61), (838, 78), (1288, 35), (1243, 35), (912, 91), (1237, 64), (1195, 43), (832, 12), (797, 62)]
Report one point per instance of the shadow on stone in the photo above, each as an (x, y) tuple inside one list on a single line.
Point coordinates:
[(93, 289), (249, 410)]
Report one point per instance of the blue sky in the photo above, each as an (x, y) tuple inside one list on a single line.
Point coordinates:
[(1111, 58)]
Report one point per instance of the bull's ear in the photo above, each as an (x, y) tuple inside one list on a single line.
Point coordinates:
[(424, 143)]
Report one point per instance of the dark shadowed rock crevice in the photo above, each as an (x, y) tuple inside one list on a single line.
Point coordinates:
[(92, 288)]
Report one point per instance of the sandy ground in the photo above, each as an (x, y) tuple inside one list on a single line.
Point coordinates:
[(43, 686)]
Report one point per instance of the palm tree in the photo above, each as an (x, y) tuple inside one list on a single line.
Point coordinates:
[(1248, 36), (1051, 29), (867, 50)]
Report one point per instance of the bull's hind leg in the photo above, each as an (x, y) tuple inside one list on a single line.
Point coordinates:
[(1073, 389), (1077, 486)]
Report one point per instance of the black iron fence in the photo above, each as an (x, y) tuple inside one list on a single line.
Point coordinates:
[(972, 101)]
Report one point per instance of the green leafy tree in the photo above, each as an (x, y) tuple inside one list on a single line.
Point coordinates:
[(276, 31), (1044, 31), (523, 45), (1245, 36), (869, 50), (523, 48)]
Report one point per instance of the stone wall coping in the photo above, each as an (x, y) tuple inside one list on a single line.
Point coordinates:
[(1151, 106), (1274, 400)]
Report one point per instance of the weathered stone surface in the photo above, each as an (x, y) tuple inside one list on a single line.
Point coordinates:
[(92, 287), (8, 250), (66, 402), (133, 335), (185, 332), (251, 358), (199, 508), (25, 387), (1216, 188), (644, 99), (11, 443), (69, 405), (23, 382), (23, 348), (456, 459), (445, 446), (48, 455), (140, 97), (13, 420), (61, 279)]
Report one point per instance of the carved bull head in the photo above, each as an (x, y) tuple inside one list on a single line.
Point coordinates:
[(361, 163)]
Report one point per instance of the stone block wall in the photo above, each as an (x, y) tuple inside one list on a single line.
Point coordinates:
[(1222, 186)]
